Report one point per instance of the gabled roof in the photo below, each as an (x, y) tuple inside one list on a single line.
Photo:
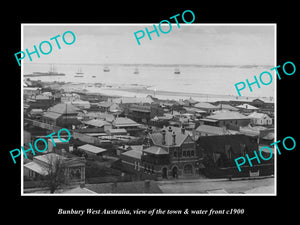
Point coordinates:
[(36, 168), (190, 100), (227, 106), (114, 131), (205, 105), (226, 115), (91, 148), (105, 104), (180, 137), (246, 106), (49, 158), (96, 123), (132, 100), (155, 150), (137, 154), (42, 97), (212, 130), (51, 115), (257, 115), (124, 122), (64, 108)]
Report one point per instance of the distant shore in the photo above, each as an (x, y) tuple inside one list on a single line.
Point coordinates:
[(135, 90)]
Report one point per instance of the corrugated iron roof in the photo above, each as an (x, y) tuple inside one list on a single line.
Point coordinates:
[(156, 150), (92, 148)]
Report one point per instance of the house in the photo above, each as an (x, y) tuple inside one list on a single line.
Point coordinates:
[(133, 100), (109, 106), (260, 119), (59, 148), (40, 166), (91, 151), (31, 91), (190, 102), (218, 154), (119, 131), (35, 113), (264, 104), (97, 125), (169, 153), (125, 148), (40, 101), (80, 104), (69, 97), (209, 108), (247, 108), (125, 123), (132, 161), (63, 115), (195, 111), (222, 106), (172, 153), (232, 120), (144, 113), (207, 130)]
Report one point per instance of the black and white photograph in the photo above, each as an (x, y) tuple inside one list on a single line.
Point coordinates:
[(146, 111), (157, 115)]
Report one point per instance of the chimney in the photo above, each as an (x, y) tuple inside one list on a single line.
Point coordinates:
[(182, 130), (163, 132), (150, 130), (147, 186), (174, 138)]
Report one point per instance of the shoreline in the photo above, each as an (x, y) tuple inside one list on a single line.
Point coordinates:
[(134, 90)]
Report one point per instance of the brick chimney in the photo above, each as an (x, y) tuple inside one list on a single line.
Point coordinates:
[(182, 130), (163, 132), (174, 138)]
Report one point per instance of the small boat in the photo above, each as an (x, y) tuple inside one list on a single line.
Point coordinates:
[(79, 73), (136, 71), (177, 71), (106, 69)]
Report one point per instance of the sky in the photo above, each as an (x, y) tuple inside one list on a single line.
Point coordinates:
[(201, 44)]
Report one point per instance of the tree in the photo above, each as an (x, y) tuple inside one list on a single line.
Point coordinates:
[(56, 168)]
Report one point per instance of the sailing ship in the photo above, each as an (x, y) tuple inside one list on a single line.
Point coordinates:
[(79, 73), (136, 71), (52, 72), (106, 69), (177, 71)]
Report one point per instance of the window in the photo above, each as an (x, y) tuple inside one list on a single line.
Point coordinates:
[(192, 153), (184, 153), (175, 153), (188, 153)]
